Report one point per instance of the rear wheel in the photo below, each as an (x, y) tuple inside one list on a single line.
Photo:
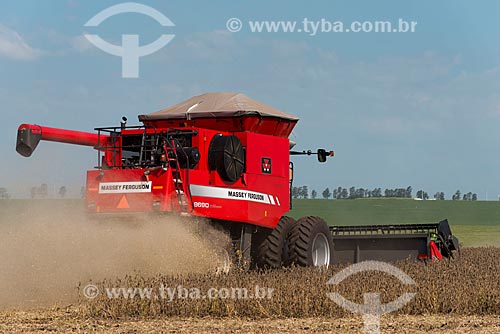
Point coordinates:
[(311, 242), (270, 247)]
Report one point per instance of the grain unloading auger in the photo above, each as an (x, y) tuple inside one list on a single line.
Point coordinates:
[(226, 158)]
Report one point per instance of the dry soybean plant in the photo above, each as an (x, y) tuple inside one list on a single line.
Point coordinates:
[(467, 285)]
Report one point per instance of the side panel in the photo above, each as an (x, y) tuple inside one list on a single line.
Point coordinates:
[(260, 196), (127, 191)]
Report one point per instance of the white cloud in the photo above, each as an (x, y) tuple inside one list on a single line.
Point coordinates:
[(208, 45), (13, 46), (80, 43)]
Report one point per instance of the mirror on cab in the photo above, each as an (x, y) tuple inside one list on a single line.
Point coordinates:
[(323, 154)]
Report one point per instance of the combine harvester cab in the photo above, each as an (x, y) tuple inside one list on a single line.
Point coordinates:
[(226, 158)]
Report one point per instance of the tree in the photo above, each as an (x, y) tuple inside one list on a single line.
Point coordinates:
[(326, 193), (314, 194), (439, 196), (304, 192), (474, 197), (408, 192), (422, 194), (359, 193), (4, 194), (352, 192), (468, 196), (62, 191), (339, 193), (456, 196), (43, 191), (344, 193), (295, 192), (377, 192)]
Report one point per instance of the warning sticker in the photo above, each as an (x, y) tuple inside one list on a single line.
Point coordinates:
[(124, 187)]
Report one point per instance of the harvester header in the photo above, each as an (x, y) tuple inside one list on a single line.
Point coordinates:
[(223, 157)]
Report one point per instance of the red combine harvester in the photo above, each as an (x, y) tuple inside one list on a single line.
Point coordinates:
[(226, 157)]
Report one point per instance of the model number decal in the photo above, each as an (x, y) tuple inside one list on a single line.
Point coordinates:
[(204, 205)]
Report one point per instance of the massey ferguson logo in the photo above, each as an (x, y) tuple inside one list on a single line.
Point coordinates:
[(266, 165)]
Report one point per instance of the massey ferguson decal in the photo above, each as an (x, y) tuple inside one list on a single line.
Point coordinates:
[(124, 187), (266, 165), (236, 194), (246, 194)]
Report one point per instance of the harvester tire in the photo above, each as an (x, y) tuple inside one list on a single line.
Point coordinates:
[(270, 247), (311, 243)]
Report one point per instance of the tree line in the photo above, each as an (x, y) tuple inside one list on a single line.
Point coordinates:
[(41, 191), (351, 193), (354, 193)]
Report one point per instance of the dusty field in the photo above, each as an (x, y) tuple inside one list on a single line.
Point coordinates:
[(70, 321), (48, 247), (49, 253)]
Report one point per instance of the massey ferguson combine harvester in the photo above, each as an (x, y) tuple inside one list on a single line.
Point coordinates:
[(226, 157)]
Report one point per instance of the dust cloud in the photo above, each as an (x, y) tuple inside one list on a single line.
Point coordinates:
[(48, 248)]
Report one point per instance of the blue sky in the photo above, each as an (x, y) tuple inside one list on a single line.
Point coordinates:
[(420, 109)]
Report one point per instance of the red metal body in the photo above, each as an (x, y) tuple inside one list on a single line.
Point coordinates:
[(259, 196)]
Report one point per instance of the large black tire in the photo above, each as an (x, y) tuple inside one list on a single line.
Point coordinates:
[(270, 247), (311, 243)]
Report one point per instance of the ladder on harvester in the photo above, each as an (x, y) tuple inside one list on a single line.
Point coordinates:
[(149, 145), (180, 187)]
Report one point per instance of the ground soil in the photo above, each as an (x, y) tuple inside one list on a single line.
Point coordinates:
[(69, 320)]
